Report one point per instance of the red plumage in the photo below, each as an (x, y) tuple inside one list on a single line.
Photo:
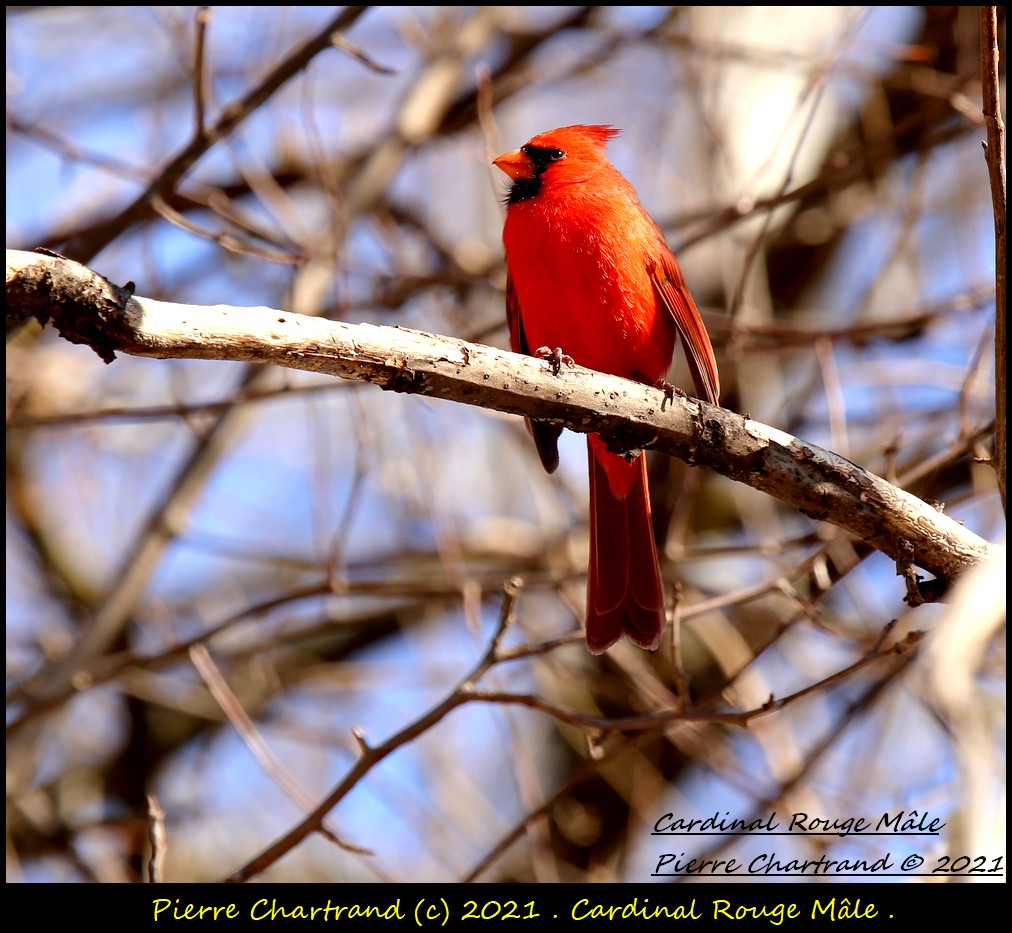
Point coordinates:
[(591, 274)]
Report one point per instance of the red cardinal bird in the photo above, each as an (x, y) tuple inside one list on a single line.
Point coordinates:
[(591, 275)]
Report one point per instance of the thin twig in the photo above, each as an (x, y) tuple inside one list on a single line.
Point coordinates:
[(204, 138), (994, 154), (156, 839), (202, 19), (256, 743), (372, 755)]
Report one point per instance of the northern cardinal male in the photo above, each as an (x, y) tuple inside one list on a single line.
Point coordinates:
[(591, 275)]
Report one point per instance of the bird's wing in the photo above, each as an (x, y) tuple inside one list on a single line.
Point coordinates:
[(546, 435), (671, 289), (518, 340)]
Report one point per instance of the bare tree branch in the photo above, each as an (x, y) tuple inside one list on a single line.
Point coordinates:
[(258, 746), (85, 308), (205, 137), (994, 154)]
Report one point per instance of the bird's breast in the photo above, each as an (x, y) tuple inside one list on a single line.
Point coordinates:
[(580, 272)]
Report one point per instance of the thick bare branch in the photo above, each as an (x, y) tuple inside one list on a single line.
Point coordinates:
[(819, 483)]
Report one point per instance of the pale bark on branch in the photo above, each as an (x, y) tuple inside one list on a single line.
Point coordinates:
[(86, 308)]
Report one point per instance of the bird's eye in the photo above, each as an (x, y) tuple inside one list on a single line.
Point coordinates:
[(542, 155)]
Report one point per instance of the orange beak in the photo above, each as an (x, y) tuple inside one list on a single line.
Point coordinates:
[(515, 164)]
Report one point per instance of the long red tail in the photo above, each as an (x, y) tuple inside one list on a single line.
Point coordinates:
[(625, 595)]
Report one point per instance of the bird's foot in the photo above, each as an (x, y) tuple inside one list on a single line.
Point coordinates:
[(555, 358), (669, 390)]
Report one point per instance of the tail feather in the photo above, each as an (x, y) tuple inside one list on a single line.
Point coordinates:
[(625, 594)]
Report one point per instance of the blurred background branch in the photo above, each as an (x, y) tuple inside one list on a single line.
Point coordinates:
[(994, 149)]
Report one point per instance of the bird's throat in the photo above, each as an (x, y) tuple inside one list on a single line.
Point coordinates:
[(523, 189)]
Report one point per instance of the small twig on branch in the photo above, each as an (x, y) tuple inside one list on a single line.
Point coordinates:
[(156, 840), (604, 726), (200, 76), (819, 483)]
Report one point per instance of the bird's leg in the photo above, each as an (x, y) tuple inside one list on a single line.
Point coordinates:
[(555, 358)]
